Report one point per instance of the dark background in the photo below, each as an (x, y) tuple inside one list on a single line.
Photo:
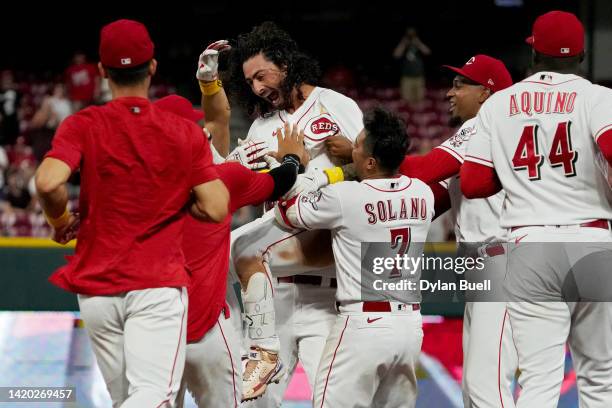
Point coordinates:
[(360, 35)]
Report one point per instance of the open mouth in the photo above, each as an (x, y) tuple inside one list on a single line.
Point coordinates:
[(274, 98), (451, 108)]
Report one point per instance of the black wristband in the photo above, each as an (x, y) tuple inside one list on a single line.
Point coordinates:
[(284, 175), (291, 159)]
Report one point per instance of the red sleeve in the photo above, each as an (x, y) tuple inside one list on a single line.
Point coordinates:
[(67, 144), (605, 145), (478, 180), (203, 169), (246, 187), (435, 166), (442, 201)]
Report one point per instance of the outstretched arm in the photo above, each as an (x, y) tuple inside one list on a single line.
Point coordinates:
[(214, 100)]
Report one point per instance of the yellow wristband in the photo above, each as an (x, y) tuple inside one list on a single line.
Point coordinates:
[(60, 221), (210, 88), (334, 175)]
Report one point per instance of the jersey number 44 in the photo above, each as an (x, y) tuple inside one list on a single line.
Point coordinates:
[(527, 157)]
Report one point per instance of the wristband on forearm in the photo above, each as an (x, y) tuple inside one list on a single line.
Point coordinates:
[(210, 88), (60, 221), (284, 175), (334, 174), (291, 159)]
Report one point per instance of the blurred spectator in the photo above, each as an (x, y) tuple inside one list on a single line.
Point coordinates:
[(4, 164), (54, 109), (410, 50), (9, 102), (82, 82), (16, 189), (20, 154)]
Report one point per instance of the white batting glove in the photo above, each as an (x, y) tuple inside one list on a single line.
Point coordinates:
[(313, 180), (250, 154), (208, 63), (271, 161)]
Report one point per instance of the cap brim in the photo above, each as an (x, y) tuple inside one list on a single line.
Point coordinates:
[(462, 73), (529, 40)]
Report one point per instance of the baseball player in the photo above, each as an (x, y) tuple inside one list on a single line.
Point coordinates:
[(541, 140), (489, 363), (139, 165), (212, 370), (273, 79), (489, 355), (371, 353)]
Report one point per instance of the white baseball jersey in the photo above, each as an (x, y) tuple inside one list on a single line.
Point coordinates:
[(540, 136), (395, 210), (475, 220), (323, 114)]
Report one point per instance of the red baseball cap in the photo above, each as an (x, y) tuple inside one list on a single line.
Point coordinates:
[(487, 71), (180, 106), (125, 44), (558, 34)]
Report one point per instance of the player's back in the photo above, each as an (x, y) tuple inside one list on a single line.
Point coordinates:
[(137, 171), (395, 211), (543, 145)]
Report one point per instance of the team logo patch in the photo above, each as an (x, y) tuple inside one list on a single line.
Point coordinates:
[(461, 136), (312, 198), (321, 127)]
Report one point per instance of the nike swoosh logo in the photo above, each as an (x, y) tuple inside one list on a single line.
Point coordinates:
[(520, 239), (373, 320)]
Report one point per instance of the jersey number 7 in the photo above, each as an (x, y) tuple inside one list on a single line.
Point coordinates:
[(399, 235), (527, 157)]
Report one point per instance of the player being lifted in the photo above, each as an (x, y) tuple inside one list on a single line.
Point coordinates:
[(371, 353), (542, 140), (273, 79)]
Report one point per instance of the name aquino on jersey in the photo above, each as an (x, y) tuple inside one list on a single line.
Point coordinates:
[(540, 102)]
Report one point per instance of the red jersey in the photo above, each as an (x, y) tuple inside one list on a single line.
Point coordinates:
[(138, 164), (207, 248), (81, 81)]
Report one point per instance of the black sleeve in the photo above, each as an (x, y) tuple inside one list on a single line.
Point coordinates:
[(284, 176)]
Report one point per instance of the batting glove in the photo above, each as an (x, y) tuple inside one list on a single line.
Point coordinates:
[(271, 161), (250, 154), (208, 63), (310, 181)]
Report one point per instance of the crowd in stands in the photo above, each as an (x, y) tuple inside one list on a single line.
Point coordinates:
[(32, 108)]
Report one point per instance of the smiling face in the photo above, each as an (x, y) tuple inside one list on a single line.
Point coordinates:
[(265, 79), (465, 98)]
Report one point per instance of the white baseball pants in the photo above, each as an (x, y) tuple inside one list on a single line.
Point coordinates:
[(138, 338)]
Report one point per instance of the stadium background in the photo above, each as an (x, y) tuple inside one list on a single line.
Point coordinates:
[(41, 342)]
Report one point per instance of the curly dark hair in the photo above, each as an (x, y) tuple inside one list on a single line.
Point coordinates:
[(385, 138), (277, 47)]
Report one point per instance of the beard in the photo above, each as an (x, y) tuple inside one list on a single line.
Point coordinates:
[(455, 121)]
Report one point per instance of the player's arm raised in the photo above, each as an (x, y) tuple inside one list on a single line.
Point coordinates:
[(214, 100)]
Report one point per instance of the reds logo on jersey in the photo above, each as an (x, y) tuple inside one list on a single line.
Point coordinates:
[(321, 127), (313, 198), (462, 136)]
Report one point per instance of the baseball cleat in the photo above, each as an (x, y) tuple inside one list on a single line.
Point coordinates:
[(262, 368)]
